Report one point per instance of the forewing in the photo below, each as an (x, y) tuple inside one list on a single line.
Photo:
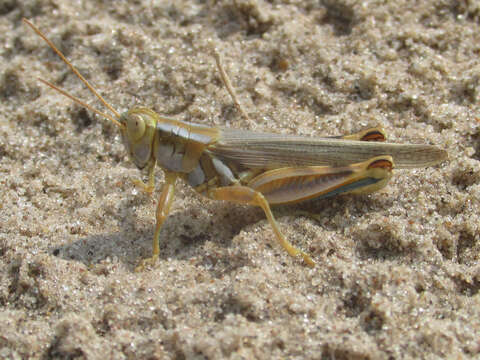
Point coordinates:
[(270, 151)]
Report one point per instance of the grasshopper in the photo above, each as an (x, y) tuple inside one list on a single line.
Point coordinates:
[(251, 168)]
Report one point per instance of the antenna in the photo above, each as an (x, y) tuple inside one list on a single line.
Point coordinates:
[(76, 72)]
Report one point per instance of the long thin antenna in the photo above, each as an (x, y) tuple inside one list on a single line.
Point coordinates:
[(80, 102), (76, 72)]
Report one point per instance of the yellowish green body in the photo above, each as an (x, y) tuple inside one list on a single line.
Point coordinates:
[(262, 169), (253, 168)]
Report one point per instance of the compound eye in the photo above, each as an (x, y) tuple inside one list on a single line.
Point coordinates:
[(135, 127)]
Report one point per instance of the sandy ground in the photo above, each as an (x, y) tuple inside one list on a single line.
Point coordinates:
[(397, 274)]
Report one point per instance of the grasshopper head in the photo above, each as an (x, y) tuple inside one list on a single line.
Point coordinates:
[(137, 125), (138, 132)]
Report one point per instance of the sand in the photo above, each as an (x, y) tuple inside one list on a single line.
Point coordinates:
[(397, 272)]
